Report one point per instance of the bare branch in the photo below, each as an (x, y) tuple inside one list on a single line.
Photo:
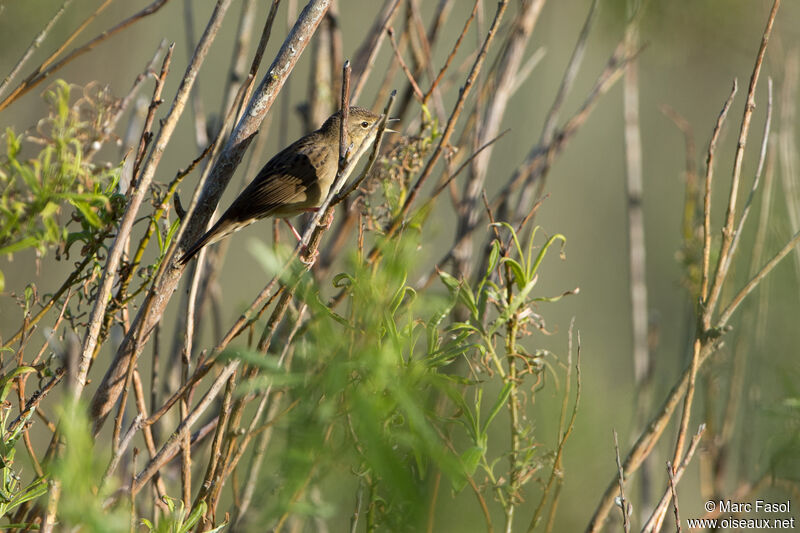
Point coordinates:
[(43, 71), (37, 41), (727, 231), (203, 206)]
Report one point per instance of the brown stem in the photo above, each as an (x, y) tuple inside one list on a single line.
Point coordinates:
[(43, 71), (203, 206), (727, 231)]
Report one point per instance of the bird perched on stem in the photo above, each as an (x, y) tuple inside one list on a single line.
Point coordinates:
[(296, 180)]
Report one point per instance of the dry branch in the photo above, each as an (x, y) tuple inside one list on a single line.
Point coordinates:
[(202, 208), (44, 71)]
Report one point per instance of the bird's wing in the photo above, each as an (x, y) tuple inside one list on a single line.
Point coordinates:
[(283, 180), (287, 178)]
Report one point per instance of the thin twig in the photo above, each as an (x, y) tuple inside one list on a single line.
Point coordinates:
[(198, 113), (449, 128), (500, 82), (37, 41), (634, 185), (568, 80), (169, 448), (533, 171), (657, 516), (645, 442), (712, 148), (141, 188), (368, 51), (564, 433), (623, 504), (203, 206), (467, 162), (672, 483), (119, 110), (344, 113), (727, 231), (726, 314), (787, 143), (727, 244), (43, 71), (452, 53), (757, 179), (406, 70)]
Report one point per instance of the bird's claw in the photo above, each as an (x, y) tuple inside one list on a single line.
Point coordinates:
[(328, 220), (308, 260)]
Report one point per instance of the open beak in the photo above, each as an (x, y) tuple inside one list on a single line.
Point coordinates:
[(389, 129)]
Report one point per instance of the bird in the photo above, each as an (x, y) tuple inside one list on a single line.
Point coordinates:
[(295, 180)]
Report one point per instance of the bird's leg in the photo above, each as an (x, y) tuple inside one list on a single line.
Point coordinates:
[(294, 231), (307, 261)]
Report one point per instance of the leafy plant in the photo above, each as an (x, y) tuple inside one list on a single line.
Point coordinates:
[(369, 383), (12, 494), (179, 520), (36, 191)]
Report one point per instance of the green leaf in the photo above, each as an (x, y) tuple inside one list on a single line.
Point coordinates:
[(342, 280), (36, 489), (399, 296), (469, 462), (543, 251), (468, 299), (471, 458), (450, 282), (87, 212), (494, 256), (194, 517), (516, 269), (458, 399), (22, 244), (502, 398), (172, 229), (5, 381), (431, 330)]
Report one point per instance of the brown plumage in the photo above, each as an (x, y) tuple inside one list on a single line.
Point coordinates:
[(297, 179)]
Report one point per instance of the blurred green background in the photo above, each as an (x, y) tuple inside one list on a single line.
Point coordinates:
[(693, 50)]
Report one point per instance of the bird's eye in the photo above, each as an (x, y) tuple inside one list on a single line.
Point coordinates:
[(365, 124)]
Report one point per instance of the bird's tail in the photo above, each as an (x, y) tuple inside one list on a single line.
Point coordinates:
[(196, 247), (219, 230)]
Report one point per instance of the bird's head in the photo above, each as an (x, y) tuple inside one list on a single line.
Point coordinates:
[(359, 125)]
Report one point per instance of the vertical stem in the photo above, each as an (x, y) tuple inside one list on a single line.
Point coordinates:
[(730, 214), (371, 508), (634, 189), (141, 187), (513, 409), (53, 496), (343, 116)]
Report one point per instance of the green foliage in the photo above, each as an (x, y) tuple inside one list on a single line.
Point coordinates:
[(12, 494), (371, 385), (366, 381), (77, 469), (34, 192), (177, 520), (499, 313)]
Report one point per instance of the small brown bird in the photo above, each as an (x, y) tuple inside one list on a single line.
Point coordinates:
[(297, 179)]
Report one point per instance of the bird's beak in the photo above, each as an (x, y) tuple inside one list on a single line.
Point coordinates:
[(389, 129)]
